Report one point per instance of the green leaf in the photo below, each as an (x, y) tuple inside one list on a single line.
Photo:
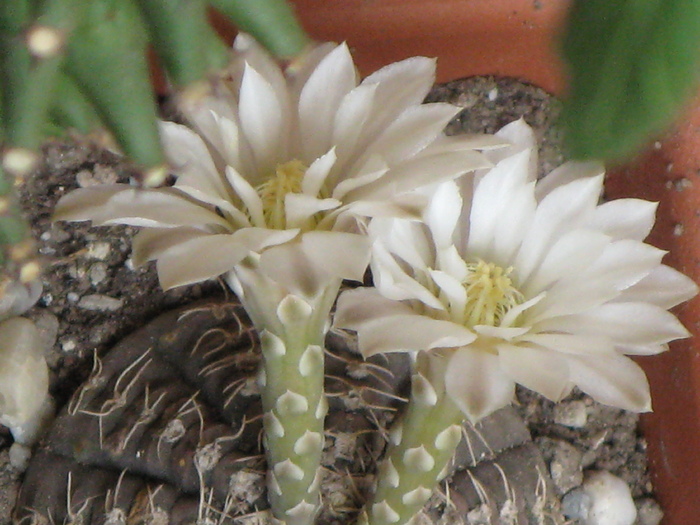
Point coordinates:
[(271, 22), (631, 64)]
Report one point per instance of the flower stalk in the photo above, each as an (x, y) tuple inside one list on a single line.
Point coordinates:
[(422, 443), (292, 331)]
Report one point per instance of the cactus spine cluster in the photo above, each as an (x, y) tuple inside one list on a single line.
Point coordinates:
[(81, 66)]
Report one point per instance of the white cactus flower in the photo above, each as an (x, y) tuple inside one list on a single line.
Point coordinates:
[(509, 280), (281, 164)]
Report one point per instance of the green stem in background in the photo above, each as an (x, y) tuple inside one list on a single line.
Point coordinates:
[(271, 22), (108, 62), (292, 332), (183, 39), (17, 253), (422, 444), (31, 54)]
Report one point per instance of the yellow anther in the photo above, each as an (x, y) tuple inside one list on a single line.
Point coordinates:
[(490, 294), (287, 179)]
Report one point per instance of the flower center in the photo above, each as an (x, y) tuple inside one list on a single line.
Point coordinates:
[(490, 294), (272, 192)]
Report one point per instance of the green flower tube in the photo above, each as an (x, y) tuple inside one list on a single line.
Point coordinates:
[(422, 444)]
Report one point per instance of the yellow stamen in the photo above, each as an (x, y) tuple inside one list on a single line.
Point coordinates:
[(287, 179), (490, 294)]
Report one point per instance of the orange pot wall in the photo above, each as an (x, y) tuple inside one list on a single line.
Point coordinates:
[(669, 172), (384, 31)]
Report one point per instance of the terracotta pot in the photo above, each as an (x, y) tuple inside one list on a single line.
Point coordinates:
[(517, 38)]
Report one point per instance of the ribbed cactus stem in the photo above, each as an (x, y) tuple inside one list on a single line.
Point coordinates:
[(422, 444), (292, 331)]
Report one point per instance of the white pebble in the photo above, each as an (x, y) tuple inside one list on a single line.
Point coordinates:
[(20, 456), (610, 500), (571, 414)]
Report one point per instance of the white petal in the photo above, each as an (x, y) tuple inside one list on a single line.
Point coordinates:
[(449, 260), (519, 137), (625, 263), (567, 258), (365, 305), (410, 333), (565, 208), (512, 315), (589, 344), (420, 171), (624, 218), (393, 282), (258, 239), (87, 204), (230, 148), (289, 266), (320, 98), (505, 333), (613, 380), (405, 239), (399, 86), (625, 323), (246, 192), (539, 370), (650, 349), (350, 120), (149, 243), (344, 255), (443, 213), (407, 206), (480, 141), (663, 286), (412, 131), (476, 383), (316, 175), (363, 179), (299, 208), (454, 292), (500, 189), (261, 119), (567, 173), (191, 160), (183, 263), (166, 207)]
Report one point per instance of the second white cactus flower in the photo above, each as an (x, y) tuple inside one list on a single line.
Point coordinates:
[(509, 280)]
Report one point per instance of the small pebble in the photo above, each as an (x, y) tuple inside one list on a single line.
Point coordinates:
[(571, 414), (610, 500), (565, 467), (98, 273), (648, 512), (68, 345), (100, 302), (99, 250), (20, 456)]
